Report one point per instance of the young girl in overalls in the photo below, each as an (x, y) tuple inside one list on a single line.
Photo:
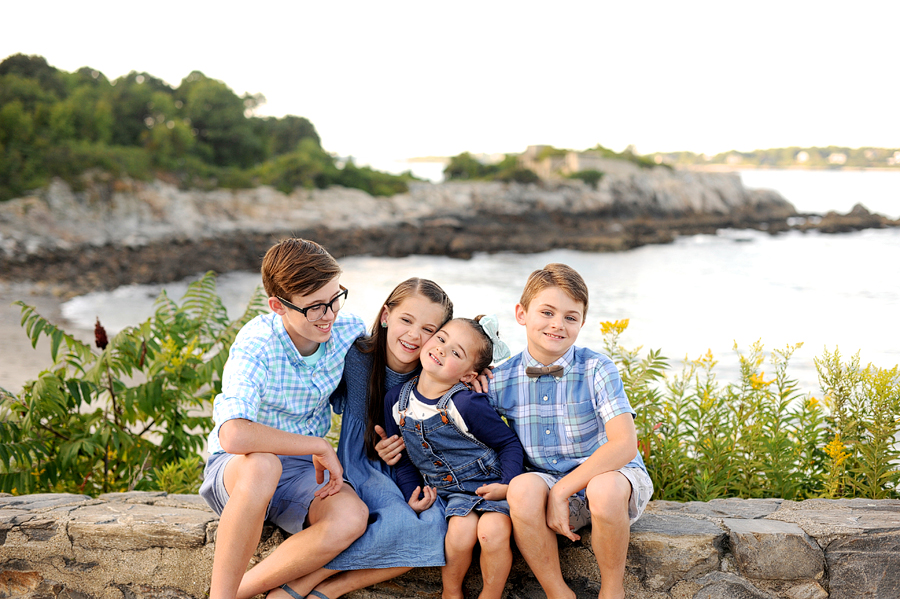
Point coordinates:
[(459, 446)]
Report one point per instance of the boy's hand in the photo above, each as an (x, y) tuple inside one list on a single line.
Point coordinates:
[(420, 504), (492, 492), (558, 516), (480, 383), (323, 460), (389, 450)]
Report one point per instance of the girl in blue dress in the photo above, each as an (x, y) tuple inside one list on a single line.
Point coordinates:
[(397, 538)]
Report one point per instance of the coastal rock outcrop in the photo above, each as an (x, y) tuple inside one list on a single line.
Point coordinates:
[(113, 232)]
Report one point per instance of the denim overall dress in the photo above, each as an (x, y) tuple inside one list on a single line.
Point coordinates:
[(452, 462)]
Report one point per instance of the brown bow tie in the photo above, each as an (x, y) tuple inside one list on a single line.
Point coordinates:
[(536, 371)]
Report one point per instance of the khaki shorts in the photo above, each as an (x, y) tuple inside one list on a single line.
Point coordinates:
[(579, 510)]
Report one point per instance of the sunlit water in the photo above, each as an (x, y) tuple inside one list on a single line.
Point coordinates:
[(704, 292)]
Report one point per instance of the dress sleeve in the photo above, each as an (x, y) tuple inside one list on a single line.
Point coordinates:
[(486, 425), (406, 475)]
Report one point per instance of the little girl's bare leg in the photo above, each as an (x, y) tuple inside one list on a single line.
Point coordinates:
[(494, 532), (461, 536)]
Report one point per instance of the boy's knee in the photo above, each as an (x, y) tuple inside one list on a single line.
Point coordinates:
[(254, 473), (608, 496), (527, 494)]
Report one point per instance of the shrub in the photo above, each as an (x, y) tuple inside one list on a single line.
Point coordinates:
[(127, 415), (761, 437)]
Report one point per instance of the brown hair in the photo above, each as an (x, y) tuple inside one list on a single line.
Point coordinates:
[(297, 266), (556, 275), (485, 354), (375, 344)]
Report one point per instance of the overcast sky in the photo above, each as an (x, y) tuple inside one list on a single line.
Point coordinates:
[(389, 80)]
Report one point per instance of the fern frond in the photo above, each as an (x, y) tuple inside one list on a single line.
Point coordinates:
[(35, 324)]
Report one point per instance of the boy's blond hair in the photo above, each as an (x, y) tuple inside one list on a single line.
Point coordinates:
[(556, 275), (297, 266)]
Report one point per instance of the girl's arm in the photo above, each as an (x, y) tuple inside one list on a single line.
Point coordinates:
[(486, 425)]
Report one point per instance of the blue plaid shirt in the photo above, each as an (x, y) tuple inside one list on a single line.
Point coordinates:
[(560, 420), (266, 380)]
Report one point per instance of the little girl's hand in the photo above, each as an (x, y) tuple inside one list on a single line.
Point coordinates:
[(492, 492), (389, 449), (420, 504)]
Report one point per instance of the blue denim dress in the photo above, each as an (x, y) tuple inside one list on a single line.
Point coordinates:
[(396, 535), (452, 462)]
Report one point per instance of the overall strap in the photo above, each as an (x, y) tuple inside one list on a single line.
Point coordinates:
[(444, 401), (405, 393)]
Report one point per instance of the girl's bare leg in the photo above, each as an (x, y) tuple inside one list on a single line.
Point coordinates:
[(462, 533), (494, 532)]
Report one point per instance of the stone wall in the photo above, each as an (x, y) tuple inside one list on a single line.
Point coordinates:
[(148, 545)]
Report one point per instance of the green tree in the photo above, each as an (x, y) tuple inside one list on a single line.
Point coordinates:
[(217, 118)]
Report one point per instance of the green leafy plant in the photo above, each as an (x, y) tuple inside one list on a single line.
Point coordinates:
[(759, 436), (100, 419)]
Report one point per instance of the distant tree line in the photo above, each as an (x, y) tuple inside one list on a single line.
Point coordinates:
[(511, 167), (467, 166), (794, 156), (56, 123)]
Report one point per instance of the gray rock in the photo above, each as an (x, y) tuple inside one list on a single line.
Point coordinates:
[(125, 526), (720, 585), (864, 566), (772, 550), (670, 547), (827, 519), (722, 508), (43, 501), (806, 590)]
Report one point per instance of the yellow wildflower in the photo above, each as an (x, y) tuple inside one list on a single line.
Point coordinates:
[(616, 327), (835, 450)]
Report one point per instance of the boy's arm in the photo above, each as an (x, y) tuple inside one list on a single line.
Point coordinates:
[(240, 437), (620, 448)]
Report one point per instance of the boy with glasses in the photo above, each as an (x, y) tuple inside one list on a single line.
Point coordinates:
[(268, 456)]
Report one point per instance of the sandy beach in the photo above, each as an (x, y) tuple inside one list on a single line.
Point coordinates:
[(20, 362)]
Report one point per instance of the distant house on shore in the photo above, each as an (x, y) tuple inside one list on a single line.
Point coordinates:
[(550, 163)]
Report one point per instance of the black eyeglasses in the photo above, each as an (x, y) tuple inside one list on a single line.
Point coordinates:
[(317, 311)]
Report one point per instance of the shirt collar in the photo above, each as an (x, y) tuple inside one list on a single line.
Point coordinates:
[(564, 360), (291, 351)]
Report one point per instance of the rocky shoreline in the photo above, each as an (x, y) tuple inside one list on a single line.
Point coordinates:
[(117, 232)]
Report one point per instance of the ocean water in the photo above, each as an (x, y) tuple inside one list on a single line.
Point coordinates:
[(701, 293)]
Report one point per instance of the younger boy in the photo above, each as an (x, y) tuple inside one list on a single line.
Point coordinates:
[(268, 456), (569, 409)]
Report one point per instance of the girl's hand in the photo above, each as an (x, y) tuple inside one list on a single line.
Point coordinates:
[(492, 492), (480, 383), (389, 450), (420, 504)]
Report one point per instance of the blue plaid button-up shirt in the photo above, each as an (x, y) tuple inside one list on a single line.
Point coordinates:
[(560, 420), (266, 380)]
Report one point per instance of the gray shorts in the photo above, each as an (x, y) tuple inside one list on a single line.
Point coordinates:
[(290, 503), (579, 509)]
